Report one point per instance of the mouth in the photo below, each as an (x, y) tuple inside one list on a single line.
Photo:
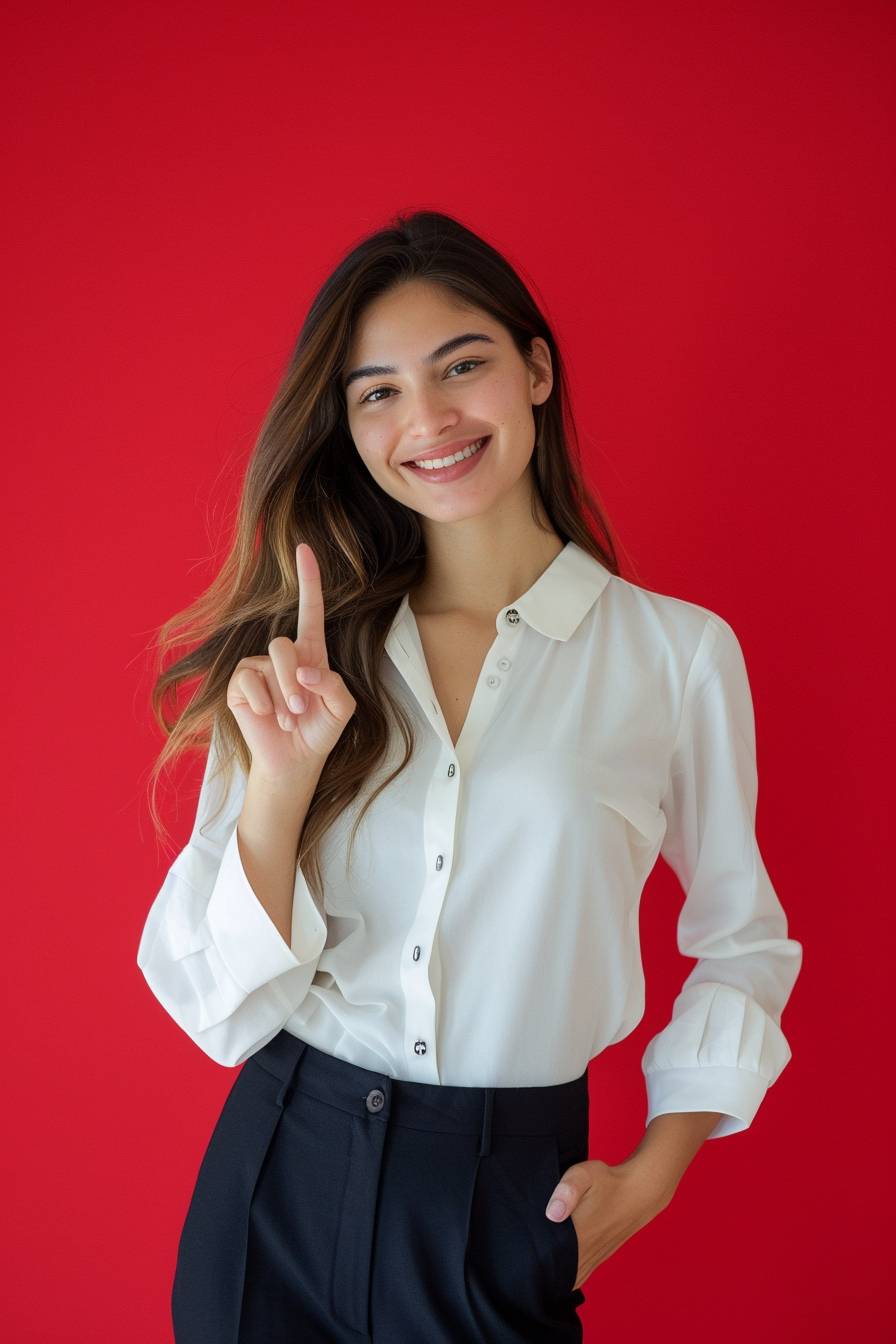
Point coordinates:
[(452, 466)]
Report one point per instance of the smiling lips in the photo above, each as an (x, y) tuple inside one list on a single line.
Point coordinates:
[(456, 466)]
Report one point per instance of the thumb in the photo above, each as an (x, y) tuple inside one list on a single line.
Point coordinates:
[(567, 1193)]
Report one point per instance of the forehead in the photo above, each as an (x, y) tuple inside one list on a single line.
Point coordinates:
[(411, 318)]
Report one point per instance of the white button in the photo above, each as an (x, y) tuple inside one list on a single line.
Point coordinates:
[(504, 663), (493, 681)]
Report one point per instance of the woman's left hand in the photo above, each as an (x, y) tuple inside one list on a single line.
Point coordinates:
[(607, 1206)]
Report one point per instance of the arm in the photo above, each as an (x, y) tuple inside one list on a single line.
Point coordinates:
[(671, 1142), (724, 1046)]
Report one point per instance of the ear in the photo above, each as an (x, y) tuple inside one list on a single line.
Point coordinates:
[(541, 372)]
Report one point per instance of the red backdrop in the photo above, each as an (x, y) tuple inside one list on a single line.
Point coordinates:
[(702, 196)]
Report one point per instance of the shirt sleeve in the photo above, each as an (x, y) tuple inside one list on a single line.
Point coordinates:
[(209, 951), (724, 1046)]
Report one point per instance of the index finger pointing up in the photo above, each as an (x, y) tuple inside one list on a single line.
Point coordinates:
[(310, 621)]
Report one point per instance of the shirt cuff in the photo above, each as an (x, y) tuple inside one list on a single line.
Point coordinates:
[(736, 1093), (248, 941)]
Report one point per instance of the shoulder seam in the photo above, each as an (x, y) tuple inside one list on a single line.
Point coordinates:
[(702, 656)]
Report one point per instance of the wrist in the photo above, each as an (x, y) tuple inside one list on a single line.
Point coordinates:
[(656, 1181), (293, 788), (670, 1143)]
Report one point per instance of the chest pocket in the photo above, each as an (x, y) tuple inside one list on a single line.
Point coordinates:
[(577, 784), (647, 820)]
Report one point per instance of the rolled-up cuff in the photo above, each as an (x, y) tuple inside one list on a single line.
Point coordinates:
[(248, 942), (736, 1093)]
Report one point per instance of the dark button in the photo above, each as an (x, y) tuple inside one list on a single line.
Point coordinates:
[(439, 862), (512, 616), (451, 770), (419, 1047), (416, 953), (376, 1099)]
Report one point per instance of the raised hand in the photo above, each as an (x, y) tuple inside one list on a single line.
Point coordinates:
[(289, 720)]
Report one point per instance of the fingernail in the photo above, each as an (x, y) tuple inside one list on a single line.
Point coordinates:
[(309, 673), (557, 1209)]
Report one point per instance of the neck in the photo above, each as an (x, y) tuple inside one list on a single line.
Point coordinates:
[(477, 569)]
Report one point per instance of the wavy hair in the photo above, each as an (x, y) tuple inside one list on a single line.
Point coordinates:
[(305, 481)]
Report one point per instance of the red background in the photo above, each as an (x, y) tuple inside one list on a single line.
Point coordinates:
[(702, 196)]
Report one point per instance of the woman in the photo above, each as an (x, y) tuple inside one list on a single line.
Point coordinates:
[(452, 742)]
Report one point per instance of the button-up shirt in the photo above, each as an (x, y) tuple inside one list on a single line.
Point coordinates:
[(486, 929)]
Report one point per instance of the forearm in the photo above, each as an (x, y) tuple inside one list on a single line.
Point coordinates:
[(669, 1145), (268, 833)]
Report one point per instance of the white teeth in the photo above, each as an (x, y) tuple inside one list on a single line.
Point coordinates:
[(433, 463)]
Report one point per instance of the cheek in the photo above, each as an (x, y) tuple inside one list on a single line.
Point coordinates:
[(373, 450), (497, 398), (504, 404), (377, 464), (378, 468)]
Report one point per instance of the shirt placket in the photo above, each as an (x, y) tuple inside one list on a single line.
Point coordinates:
[(440, 814)]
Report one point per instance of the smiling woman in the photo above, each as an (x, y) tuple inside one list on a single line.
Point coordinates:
[(409, 902), (439, 420)]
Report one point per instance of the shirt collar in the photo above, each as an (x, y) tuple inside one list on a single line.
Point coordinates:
[(557, 601)]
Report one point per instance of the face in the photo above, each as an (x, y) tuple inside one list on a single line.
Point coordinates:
[(421, 388)]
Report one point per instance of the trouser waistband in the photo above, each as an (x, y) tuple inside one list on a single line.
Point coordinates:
[(556, 1108)]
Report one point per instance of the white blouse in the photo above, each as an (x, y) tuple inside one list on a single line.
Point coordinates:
[(486, 933)]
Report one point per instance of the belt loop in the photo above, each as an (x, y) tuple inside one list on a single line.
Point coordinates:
[(287, 1084), (485, 1141)]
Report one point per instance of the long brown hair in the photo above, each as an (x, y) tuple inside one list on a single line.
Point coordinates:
[(306, 482)]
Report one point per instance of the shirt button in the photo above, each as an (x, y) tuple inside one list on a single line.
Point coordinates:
[(419, 1047), (493, 681), (439, 862), (416, 953), (376, 1099), (451, 770), (504, 663), (512, 616)]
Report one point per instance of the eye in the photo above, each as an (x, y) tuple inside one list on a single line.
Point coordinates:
[(371, 394), (471, 362)]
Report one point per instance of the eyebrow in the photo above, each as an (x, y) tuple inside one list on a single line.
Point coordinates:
[(379, 370)]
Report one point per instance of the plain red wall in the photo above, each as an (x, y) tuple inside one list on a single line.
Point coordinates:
[(702, 196)]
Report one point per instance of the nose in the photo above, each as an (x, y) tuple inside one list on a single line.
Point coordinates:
[(430, 419)]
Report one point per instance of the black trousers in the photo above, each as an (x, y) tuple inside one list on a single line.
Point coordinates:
[(335, 1205)]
